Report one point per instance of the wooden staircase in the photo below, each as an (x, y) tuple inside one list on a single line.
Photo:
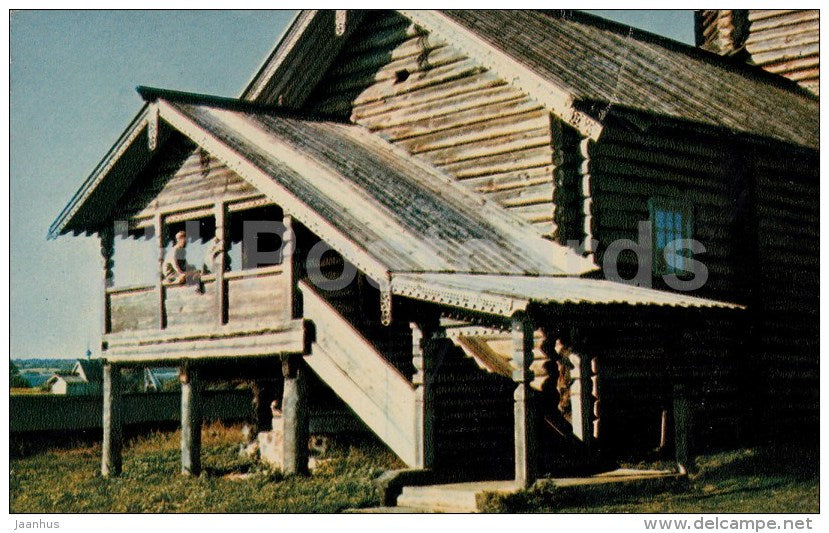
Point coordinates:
[(360, 374)]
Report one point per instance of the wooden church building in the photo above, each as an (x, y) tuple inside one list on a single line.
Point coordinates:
[(510, 242)]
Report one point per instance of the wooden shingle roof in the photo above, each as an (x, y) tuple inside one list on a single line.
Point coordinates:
[(365, 194), (595, 66)]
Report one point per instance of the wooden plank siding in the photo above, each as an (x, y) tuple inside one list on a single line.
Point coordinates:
[(181, 177), (421, 94), (258, 297), (185, 306), (133, 310)]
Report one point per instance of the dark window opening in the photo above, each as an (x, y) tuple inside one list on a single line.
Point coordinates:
[(255, 238)]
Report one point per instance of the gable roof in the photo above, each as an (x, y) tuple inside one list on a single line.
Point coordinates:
[(90, 370), (598, 65), (401, 215), (581, 68)]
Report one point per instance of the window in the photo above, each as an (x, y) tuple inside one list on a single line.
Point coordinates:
[(255, 238), (671, 223)]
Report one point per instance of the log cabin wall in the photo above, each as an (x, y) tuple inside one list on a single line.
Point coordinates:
[(628, 167), (180, 177), (424, 96), (473, 416), (787, 289), (784, 42), (755, 209), (638, 355)]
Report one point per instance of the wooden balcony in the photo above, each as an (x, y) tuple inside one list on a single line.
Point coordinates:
[(249, 317)]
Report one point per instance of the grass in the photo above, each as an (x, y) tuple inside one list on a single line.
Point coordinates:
[(68, 480), (756, 480), (20, 391)]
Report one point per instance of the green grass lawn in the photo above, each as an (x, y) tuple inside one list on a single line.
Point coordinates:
[(68, 480), (764, 480)]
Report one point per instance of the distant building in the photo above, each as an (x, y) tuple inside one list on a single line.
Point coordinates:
[(84, 379)]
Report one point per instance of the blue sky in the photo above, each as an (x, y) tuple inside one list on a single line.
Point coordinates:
[(72, 79)]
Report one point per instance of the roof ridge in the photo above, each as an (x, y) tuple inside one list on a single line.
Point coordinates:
[(151, 94)]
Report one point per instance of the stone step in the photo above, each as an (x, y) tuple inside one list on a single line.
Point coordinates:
[(463, 497), (450, 498)]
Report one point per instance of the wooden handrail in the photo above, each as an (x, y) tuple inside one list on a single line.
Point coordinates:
[(255, 272), (130, 288)]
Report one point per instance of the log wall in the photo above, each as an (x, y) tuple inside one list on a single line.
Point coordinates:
[(429, 99), (755, 210), (781, 41), (473, 419), (180, 177), (787, 327), (627, 167), (639, 355)]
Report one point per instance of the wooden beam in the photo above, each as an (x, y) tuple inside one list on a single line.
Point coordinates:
[(294, 417), (191, 421), (523, 412), (158, 227), (112, 422)]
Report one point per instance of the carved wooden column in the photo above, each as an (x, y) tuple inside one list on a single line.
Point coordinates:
[(288, 249), (191, 421), (112, 422), (523, 408), (579, 392), (294, 417), (425, 338), (220, 262)]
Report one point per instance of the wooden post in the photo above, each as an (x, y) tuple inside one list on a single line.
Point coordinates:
[(112, 422), (107, 247), (682, 427), (158, 226), (295, 418), (524, 417), (191, 421), (424, 340), (220, 215)]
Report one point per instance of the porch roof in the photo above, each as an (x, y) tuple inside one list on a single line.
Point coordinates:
[(505, 295)]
